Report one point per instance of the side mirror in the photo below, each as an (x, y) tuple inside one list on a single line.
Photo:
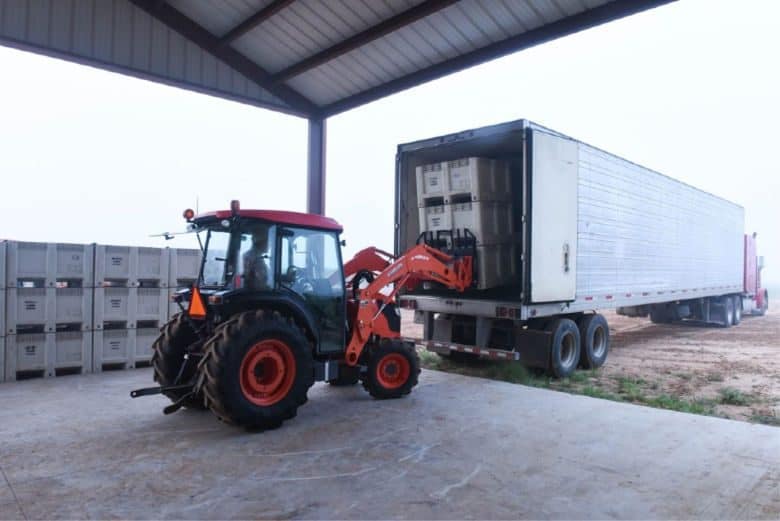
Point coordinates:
[(343, 243)]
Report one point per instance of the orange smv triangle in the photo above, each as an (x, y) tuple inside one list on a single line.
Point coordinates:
[(197, 309)]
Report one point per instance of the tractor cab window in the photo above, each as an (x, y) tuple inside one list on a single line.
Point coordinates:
[(310, 263), (255, 262), (215, 264)]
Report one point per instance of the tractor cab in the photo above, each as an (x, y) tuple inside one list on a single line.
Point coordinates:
[(288, 260)]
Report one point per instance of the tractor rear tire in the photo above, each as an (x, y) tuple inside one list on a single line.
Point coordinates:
[(393, 369), (257, 370), (168, 353)]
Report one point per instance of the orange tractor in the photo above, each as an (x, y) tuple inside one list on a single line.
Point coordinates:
[(274, 310)]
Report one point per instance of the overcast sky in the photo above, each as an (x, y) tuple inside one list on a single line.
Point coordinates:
[(690, 89)]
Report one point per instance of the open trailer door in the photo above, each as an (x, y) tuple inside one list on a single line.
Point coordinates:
[(554, 178)]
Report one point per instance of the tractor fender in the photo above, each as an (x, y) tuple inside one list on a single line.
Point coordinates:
[(290, 305)]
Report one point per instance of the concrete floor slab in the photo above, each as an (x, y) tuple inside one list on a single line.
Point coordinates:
[(458, 447)]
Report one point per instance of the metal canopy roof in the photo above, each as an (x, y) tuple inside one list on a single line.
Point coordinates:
[(312, 58)]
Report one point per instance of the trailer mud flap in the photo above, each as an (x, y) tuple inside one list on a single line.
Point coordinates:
[(534, 347)]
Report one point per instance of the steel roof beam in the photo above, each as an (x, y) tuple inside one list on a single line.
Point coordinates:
[(253, 21), (572, 24), (418, 12), (165, 13)]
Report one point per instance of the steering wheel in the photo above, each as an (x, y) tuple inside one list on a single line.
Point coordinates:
[(299, 283)]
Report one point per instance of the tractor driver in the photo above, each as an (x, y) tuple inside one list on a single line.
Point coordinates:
[(256, 261)]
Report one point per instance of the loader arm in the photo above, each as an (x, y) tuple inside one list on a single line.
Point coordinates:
[(419, 264)]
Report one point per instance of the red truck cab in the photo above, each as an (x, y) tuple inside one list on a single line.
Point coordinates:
[(755, 299)]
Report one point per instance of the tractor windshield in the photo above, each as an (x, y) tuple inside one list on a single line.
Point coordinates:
[(240, 256), (216, 255)]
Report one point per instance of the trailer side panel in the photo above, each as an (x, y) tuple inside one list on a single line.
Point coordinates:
[(642, 234)]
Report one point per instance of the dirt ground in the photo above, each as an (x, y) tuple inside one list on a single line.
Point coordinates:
[(733, 373)]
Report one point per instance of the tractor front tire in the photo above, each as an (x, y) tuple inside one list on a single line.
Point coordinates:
[(393, 369), (257, 370), (168, 353)]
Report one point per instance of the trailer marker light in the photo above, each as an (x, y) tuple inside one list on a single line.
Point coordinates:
[(188, 214)]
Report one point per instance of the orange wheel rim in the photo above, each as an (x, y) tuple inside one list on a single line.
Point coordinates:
[(267, 372), (393, 371)]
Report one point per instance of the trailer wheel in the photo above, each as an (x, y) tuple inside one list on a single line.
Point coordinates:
[(256, 370), (565, 348), (594, 340), (168, 353), (726, 305), (393, 369), (737, 309)]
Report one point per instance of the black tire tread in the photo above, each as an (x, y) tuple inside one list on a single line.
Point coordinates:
[(167, 356), (375, 352), (210, 382)]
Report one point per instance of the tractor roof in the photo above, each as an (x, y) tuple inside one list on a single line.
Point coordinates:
[(306, 220)]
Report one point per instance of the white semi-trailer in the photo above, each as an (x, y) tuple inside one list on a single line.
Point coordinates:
[(560, 229)]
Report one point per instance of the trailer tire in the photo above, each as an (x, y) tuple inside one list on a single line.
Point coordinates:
[(257, 370), (726, 315), (393, 369), (594, 340), (168, 352), (565, 347), (737, 309)]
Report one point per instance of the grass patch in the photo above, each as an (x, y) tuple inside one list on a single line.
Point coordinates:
[(630, 389), (598, 392), (580, 377), (429, 360), (624, 389), (766, 419), (731, 396), (515, 373), (673, 403)]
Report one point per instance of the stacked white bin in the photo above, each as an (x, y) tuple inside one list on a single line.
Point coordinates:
[(184, 269), (48, 309), (131, 304), (472, 193), (2, 310)]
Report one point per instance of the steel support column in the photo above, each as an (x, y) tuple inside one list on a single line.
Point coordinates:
[(315, 185)]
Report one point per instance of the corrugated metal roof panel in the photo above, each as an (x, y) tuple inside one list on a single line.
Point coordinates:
[(219, 16), (315, 54), (119, 36)]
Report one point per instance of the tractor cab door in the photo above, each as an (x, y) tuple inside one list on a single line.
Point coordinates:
[(310, 265)]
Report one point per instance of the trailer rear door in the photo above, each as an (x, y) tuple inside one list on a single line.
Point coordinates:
[(554, 178)]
